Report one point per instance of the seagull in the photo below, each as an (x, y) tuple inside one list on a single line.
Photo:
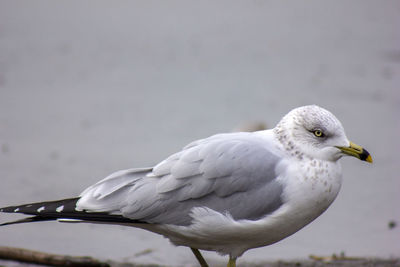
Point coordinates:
[(227, 193)]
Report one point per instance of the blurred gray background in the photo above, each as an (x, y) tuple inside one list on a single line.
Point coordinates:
[(88, 88)]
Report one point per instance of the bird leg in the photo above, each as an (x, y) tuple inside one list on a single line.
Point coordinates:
[(199, 257), (232, 262)]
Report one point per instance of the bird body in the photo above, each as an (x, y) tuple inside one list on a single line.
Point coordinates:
[(230, 236), (226, 193)]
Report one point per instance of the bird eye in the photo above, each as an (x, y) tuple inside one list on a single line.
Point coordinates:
[(318, 133)]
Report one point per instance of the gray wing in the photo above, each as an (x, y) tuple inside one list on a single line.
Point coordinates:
[(229, 173)]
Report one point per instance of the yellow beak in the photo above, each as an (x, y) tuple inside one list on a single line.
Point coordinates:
[(356, 151)]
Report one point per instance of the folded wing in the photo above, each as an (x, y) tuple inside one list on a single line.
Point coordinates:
[(229, 173)]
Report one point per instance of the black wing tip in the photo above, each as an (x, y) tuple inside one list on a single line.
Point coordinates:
[(40, 210), (63, 209), (27, 220), (36, 207)]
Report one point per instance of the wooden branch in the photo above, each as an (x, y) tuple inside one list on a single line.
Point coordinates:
[(37, 257)]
